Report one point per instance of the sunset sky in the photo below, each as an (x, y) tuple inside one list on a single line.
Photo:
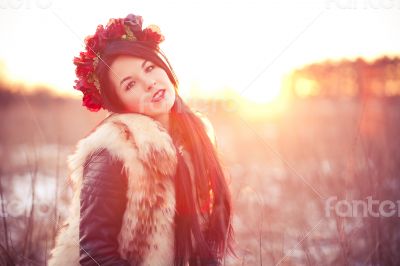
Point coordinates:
[(247, 46)]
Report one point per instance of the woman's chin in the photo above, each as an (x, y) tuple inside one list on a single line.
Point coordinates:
[(162, 106)]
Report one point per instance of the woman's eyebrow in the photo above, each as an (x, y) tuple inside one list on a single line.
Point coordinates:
[(124, 79), (129, 77), (144, 63)]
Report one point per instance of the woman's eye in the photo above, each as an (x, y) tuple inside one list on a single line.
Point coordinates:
[(130, 85), (150, 68)]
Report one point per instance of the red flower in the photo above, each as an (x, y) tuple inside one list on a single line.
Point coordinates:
[(84, 65), (96, 42), (82, 85), (91, 102), (115, 29), (91, 97), (153, 36)]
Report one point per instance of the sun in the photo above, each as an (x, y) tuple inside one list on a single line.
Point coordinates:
[(264, 89)]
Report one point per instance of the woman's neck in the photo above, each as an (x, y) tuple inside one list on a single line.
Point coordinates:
[(164, 120)]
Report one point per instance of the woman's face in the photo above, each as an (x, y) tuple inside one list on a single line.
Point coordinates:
[(142, 86)]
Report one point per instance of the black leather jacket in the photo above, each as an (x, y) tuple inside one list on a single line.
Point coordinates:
[(103, 202)]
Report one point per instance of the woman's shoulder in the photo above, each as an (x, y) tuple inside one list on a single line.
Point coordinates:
[(102, 167), (133, 138), (118, 130), (102, 158)]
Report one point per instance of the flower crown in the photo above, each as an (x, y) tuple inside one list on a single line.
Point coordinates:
[(130, 29)]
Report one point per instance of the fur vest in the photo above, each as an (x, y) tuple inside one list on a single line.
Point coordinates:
[(149, 158)]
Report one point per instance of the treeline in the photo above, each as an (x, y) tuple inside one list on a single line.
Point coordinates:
[(10, 96), (346, 78)]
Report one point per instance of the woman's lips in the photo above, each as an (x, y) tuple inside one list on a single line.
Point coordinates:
[(158, 96)]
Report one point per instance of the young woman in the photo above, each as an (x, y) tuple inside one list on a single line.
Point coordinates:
[(148, 186)]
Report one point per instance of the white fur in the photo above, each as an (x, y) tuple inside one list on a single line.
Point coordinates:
[(149, 159)]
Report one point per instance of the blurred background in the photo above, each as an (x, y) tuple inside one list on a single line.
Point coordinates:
[(303, 96)]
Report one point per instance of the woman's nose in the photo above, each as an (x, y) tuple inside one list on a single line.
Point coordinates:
[(151, 85)]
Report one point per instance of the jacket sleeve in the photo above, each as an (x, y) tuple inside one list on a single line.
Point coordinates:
[(102, 205)]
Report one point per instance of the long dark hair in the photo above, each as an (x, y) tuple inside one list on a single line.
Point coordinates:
[(187, 129), (211, 188)]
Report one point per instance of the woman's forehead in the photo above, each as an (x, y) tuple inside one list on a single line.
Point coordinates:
[(124, 60), (125, 65)]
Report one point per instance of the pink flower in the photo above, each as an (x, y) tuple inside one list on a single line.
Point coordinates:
[(134, 22)]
